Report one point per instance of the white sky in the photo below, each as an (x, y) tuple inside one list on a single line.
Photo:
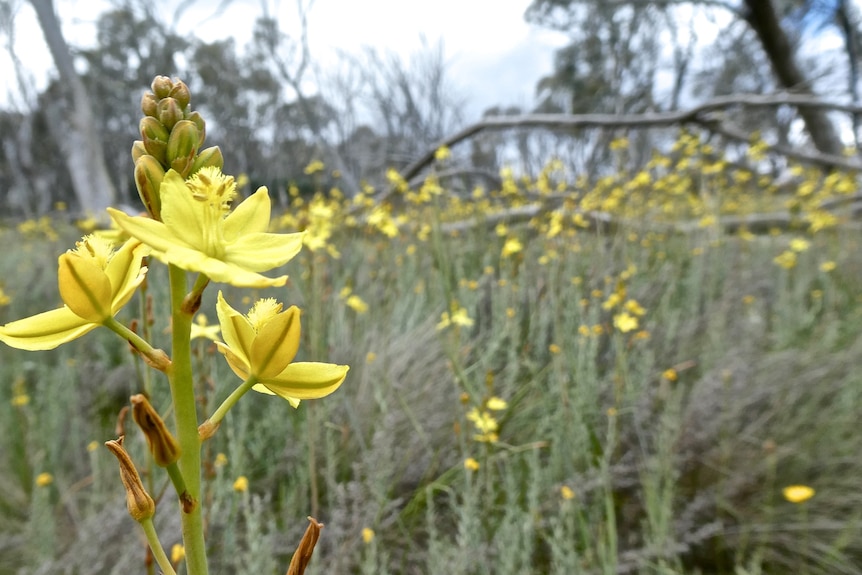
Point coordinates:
[(494, 56)]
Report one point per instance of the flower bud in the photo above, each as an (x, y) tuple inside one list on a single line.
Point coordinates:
[(209, 158), (138, 150), (149, 174), (180, 92), (149, 102), (201, 125), (139, 503), (161, 86), (163, 446), (182, 147), (169, 112), (155, 137)]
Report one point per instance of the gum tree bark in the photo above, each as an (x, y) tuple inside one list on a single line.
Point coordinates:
[(80, 143)]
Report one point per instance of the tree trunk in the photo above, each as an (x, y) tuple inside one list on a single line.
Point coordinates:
[(81, 145), (763, 20)]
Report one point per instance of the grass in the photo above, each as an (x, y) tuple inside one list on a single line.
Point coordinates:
[(659, 449)]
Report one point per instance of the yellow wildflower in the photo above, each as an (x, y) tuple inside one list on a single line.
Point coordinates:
[(262, 345), (625, 322), (567, 493), (367, 535), (95, 282), (511, 247), (495, 403), (470, 464), (44, 480), (178, 553), (356, 303), (797, 493), (828, 266), (202, 328), (786, 259), (197, 233), (241, 484)]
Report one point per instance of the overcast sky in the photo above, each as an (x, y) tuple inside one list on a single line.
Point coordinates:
[(494, 56)]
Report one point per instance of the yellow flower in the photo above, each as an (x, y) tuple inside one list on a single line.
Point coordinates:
[(786, 259), (220, 460), (799, 245), (670, 374), (314, 167), (197, 233), (457, 317), (44, 480), (511, 247), (634, 307), (625, 322), (554, 348), (241, 484), (442, 153), (495, 403), (4, 298), (356, 303), (262, 345), (95, 282), (178, 553), (567, 493), (367, 535), (797, 493), (828, 266), (471, 464), (201, 328)]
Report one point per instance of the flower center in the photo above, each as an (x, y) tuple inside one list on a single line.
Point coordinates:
[(263, 311), (215, 192), (95, 249)]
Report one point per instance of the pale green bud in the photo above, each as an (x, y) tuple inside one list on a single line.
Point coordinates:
[(155, 137), (180, 92), (183, 147), (149, 174), (148, 104), (138, 150), (201, 124), (169, 112), (210, 157), (161, 86)]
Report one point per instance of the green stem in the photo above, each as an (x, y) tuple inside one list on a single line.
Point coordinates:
[(185, 414), (225, 406), (156, 546), (154, 357)]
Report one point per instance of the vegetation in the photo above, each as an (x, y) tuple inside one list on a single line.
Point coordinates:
[(545, 397)]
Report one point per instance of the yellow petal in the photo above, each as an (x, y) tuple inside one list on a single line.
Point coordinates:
[(46, 330), (276, 344), (307, 380), (180, 210), (126, 273), (250, 216), (236, 363), (155, 234), (85, 288), (236, 330), (262, 252), (219, 271), (260, 388)]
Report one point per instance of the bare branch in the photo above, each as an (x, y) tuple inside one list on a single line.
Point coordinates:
[(702, 115)]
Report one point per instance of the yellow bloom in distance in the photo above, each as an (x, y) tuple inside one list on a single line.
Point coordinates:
[(797, 493), (95, 282), (198, 234), (263, 344)]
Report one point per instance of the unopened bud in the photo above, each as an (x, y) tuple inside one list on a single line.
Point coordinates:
[(180, 92), (201, 125), (155, 137), (169, 112), (149, 104), (161, 86), (183, 147), (163, 446), (138, 150), (149, 174), (139, 503), (209, 158)]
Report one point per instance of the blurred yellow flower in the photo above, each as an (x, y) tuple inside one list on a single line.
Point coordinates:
[(471, 464), (4, 298), (670, 374), (197, 232), (786, 259), (457, 317), (828, 266), (356, 303), (567, 493), (799, 245), (220, 460), (241, 484), (495, 403), (554, 348), (202, 328), (178, 553), (44, 480), (625, 322), (367, 535), (313, 167), (797, 493), (442, 153), (511, 247)]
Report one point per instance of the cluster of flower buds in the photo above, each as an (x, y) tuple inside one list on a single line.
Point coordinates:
[(171, 138)]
